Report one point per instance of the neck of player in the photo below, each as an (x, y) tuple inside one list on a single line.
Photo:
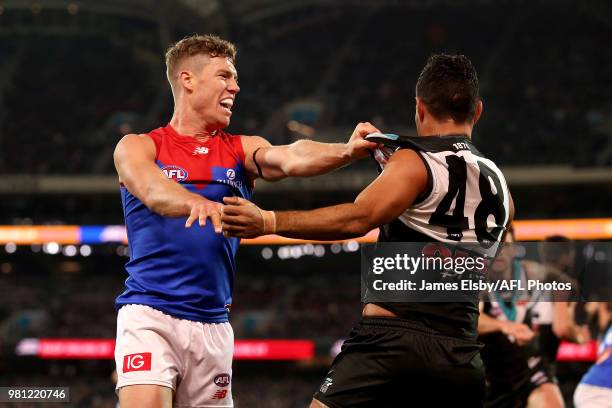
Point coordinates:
[(442, 128), (186, 122)]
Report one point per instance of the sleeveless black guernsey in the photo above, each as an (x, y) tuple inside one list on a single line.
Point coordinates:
[(458, 174)]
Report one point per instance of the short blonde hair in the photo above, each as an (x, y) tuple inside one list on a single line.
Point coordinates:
[(208, 44)]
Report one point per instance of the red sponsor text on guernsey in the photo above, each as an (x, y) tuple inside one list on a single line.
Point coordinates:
[(137, 362)]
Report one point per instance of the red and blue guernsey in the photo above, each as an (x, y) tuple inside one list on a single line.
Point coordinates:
[(600, 374), (185, 272)]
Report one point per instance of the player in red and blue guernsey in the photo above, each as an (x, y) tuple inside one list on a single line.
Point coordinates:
[(595, 388), (174, 342)]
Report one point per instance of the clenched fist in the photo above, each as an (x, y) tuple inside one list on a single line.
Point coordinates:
[(357, 145)]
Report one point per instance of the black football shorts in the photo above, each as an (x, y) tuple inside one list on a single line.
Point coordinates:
[(391, 362)]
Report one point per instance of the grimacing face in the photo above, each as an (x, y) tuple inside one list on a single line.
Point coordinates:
[(215, 86)]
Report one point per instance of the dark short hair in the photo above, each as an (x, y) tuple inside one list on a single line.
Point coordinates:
[(208, 44), (555, 246), (557, 238), (448, 85)]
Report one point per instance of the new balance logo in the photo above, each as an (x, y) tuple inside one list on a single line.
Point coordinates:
[(220, 394), (137, 362), (200, 150)]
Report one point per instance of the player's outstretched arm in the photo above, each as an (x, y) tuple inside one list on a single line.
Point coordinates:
[(134, 159), (305, 157), (395, 189), (517, 332)]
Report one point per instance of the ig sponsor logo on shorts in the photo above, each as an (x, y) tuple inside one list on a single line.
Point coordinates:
[(231, 174), (175, 172), (222, 380), (137, 362)]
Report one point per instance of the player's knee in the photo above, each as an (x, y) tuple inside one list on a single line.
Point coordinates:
[(145, 395), (317, 404)]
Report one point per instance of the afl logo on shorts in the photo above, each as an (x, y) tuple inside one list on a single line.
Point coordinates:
[(222, 380), (137, 362), (175, 173), (231, 174)]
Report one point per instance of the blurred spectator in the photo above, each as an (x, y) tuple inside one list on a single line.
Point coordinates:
[(545, 85)]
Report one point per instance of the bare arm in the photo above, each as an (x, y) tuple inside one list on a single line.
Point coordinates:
[(563, 321), (395, 189), (134, 159), (519, 332), (305, 157), (563, 325), (487, 324)]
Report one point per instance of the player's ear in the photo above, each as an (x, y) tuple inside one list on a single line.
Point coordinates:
[(186, 79), (420, 109), (477, 113)]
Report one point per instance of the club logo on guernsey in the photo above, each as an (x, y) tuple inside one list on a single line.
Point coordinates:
[(175, 172)]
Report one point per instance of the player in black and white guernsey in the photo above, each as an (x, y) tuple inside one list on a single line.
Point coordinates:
[(434, 187), (517, 373), (461, 176)]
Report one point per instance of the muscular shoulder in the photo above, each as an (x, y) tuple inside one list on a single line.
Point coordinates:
[(408, 163), (134, 138), (251, 143), (406, 155), (135, 144)]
